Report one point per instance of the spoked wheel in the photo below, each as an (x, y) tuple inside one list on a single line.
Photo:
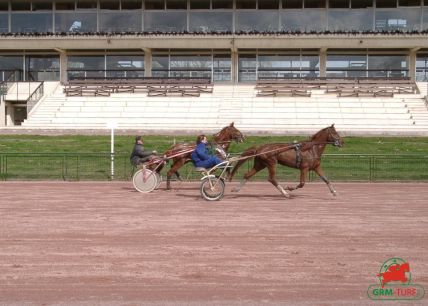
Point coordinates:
[(144, 180), (212, 188), (158, 180)]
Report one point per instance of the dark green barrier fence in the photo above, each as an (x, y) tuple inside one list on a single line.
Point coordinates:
[(337, 167)]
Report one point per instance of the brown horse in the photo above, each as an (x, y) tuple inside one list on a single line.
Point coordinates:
[(221, 142), (305, 156)]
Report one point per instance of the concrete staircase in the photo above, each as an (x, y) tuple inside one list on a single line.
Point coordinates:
[(400, 115)]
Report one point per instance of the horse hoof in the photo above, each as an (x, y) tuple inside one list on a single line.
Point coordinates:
[(335, 193)]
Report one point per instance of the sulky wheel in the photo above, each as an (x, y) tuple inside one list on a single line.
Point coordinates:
[(212, 188), (144, 180)]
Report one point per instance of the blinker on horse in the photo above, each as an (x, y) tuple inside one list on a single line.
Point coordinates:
[(304, 156)]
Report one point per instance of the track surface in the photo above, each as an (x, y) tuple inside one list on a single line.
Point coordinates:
[(91, 243)]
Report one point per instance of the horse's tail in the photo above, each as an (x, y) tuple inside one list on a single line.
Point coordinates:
[(246, 155)]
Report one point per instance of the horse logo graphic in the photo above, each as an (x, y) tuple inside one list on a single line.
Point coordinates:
[(394, 272)]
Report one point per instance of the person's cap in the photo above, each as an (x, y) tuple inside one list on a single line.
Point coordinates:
[(138, 138)]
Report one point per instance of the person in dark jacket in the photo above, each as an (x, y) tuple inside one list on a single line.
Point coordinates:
[(139, 155), (201, 156)]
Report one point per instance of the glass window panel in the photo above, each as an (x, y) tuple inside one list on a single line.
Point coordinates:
[(422, 68), (120, 22), (154, 5), (338, 3), (346, 66), (292, 4), (409, 2), (206, 22), (222, 67), (4, 6), (268, 4), (4, 22), (425, 20), (42, 67), (361, 3), (21, 5), (165, 21), (31, 23), (199, 4), (387, 65), (315, 3), (75, 22), (222, 4), (131, 4), (125, 66), (350, 20), (176, 4), (110, 5), (11, 62), (386, 3), (190, 66), (304, 20), (86, 4), (87, 62), (40, 5), (160, 66), (405, 19), (65, 5), (245, 4), (257, 21), (247, 67)]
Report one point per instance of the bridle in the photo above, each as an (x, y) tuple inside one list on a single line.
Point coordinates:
[(336, 139)]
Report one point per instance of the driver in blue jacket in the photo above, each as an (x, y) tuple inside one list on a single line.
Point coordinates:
[(201, 157)]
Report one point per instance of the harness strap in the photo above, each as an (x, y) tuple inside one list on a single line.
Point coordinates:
[(297, 148)]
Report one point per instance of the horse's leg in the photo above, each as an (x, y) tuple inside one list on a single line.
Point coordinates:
[(175, 166), (273, 181), (320, 173), (303, 174), (256, 168)]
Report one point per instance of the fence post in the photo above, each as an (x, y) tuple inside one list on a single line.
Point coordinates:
[(371, 166)]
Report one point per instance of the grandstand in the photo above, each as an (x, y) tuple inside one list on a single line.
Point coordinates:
[(272, 66)]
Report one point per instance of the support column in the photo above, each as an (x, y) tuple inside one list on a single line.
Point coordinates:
[(412, 64), (323, 62), (234, 68), (147, 62), (2, 111), (63, 60)]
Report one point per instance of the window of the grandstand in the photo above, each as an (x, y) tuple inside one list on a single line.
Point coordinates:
[(222, 65), (21, 5), (422, 68), (39, 5), (31, 23), (257, 21), (125, 66), (200, 4), (409, 2), (119, 21), (268, 4), (246, 4), (315, 3), (4, 6), (11, 65), (165, 21), (86, 66), (205, 22), (350, 20), (338, 3), (292, 4), (222, 4), (387, 65), (131, 4), (176, 4), (110, 5), (247, 67), (4, 23), (76, 22), (356, 4), (86, 4), (346, 66), (42, 67), (160, 65), (65, 5), (154, 4), (303, 20), (386, 3), (406, 19)]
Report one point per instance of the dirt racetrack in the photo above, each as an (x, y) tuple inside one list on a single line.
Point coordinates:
[(102, 243)]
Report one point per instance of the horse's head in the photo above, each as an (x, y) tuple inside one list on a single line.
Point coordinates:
[(329, 135), (334, 137), (229, 133)]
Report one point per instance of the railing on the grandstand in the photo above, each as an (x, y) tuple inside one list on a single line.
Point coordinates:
[(87, 166), (35, 97), (371, 73), (108, 74)]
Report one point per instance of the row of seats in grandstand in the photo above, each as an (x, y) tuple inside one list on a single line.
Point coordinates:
[(342, 87), (151, 85)]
